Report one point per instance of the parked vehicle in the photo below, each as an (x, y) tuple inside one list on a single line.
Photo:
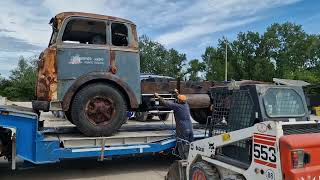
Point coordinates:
[(91, 71)]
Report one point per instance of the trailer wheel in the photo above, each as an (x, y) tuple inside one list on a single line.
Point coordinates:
[(200, 115), (141, 116), (163, 116), (203, 171), (98, 110)]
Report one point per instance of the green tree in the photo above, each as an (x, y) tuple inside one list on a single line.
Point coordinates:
[(194, 68), (152, 56), (213, 59), (287, 45), (245, 52), (155, 58), (21, 83)]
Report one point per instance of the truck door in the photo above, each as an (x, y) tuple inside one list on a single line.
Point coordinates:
[(125, 55), (82, 49)]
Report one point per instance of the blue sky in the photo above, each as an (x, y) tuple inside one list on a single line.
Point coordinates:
[(186, 25)]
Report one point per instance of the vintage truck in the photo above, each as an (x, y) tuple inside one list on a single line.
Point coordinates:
[(91, 69)]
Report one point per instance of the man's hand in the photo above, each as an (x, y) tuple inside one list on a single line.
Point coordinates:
[(156, 95)]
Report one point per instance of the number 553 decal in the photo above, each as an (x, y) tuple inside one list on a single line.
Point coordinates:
[(264, 151)]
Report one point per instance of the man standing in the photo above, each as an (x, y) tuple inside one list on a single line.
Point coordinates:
[(184, 129)]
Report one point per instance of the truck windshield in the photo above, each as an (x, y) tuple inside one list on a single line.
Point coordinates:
[(280, 102)]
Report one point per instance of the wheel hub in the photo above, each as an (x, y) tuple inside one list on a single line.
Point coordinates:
[(198, 175), (100, 110)]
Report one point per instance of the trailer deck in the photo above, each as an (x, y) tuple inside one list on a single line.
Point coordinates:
[(51, 144)]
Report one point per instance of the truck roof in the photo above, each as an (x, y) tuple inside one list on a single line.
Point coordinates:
[(63, 15)]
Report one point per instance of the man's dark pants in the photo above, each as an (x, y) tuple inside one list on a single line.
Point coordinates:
[(183, 142)]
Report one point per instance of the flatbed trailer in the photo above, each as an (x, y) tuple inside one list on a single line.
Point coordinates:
[(42, 145)]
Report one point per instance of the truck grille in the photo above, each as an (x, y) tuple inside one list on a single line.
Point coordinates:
[(301, 129)]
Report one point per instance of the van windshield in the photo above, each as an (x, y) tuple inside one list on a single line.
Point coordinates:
[(281, 102)]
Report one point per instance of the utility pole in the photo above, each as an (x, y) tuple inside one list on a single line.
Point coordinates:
[(226, 63)]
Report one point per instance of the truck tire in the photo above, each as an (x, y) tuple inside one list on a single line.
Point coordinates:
[(163, 116), (200, 115), (98, 110), (68, 116), (203, 171), (141, 116), (150, 116)]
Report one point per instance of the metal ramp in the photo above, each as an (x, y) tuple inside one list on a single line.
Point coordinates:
[(120, 138)]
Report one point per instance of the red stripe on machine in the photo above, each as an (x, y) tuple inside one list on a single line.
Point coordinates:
[(263, 142), (265, 163), (264, 135), (265, 138)]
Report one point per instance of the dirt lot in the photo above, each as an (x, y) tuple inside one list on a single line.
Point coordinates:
[(135, 168)]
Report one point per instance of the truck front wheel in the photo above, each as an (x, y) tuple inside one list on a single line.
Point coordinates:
[(98, 110)]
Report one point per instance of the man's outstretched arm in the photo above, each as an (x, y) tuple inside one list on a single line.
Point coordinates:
[(166, 103)]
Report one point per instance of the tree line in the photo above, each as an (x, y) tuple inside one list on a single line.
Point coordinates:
[(282, 51)]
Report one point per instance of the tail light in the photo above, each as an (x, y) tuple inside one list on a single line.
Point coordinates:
[(299, 158)]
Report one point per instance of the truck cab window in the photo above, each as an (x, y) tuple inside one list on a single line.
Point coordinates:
[(85, 32), (119, 33)]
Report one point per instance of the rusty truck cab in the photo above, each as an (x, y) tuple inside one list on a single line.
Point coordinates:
[(87, 48)]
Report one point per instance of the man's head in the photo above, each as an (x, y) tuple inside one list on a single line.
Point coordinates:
[(182, 98)]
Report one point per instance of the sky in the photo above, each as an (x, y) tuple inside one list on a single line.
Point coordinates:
[(186, 25)]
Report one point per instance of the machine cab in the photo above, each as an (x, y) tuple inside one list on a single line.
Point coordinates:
[(242, 107)]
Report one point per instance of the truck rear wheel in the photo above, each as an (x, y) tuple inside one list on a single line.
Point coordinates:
[(163, 116), (203, 171), (141, 116), (200, 115), (98, 110)]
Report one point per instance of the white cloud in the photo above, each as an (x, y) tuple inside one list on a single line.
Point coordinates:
[(183, 24), (167, 18), (210, 16)]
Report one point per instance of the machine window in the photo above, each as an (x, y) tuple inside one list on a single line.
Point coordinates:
[(84, 31), (280, 102), (119, 34)]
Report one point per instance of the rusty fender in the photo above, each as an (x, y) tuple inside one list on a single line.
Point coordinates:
[(100, 77)]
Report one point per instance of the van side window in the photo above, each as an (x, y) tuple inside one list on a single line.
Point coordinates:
[(119, 34), (84, 31)]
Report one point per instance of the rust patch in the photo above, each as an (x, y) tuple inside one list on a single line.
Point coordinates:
[(100, 110), (134, 44), (112, 68), (62, 16), (47, 76)]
